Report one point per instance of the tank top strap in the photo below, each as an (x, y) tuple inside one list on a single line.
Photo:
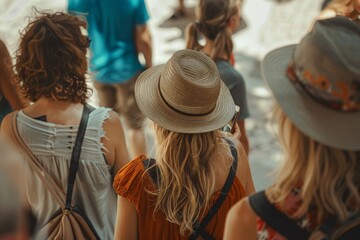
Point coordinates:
[(98, 117)]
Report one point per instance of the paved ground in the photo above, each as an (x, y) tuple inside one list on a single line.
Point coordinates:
[(267, 24)]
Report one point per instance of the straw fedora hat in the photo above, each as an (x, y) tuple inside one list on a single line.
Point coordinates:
[(185, 95), (317, 82)]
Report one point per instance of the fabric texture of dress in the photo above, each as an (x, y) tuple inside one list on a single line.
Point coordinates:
[(52, 144), (133, 183)]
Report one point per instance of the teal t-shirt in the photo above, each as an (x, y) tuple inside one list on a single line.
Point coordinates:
[(111, 27)]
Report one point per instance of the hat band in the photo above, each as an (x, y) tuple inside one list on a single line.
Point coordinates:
[(333, 104), (179, 111)]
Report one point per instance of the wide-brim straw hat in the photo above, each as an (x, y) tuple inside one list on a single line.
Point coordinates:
[(317, 82), (185, 95)]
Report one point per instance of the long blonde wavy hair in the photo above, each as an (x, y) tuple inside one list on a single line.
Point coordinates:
[(186, 176), (330, 178), (212, 20)]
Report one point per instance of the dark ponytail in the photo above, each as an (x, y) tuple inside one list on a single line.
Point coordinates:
[(192, 33), (214, 16), (222, 43)]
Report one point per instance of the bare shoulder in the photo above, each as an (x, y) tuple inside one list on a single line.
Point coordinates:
[(6, 125), (240, 222), (7, 119), (113, 121), (113, 117), (117, 155), (243, 212), (113, 129)]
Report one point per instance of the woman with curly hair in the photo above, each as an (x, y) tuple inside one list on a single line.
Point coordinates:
[(51, 66)]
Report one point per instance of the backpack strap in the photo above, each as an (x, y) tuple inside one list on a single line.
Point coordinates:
[(199, 228), (276, 219), (47, 180), (75, 156), (289, 229), (34, 163)]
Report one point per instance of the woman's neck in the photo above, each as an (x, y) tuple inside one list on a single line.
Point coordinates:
[(44, 106), (58, 112), (207, 49), (49, 102)]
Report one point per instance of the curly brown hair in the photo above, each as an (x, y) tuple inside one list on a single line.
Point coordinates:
[(51, 59)]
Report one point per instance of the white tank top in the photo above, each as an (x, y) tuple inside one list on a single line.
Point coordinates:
[(52, 144)]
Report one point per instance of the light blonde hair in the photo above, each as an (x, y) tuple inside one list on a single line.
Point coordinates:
[(329, 177), (186, 179), (213, 17)]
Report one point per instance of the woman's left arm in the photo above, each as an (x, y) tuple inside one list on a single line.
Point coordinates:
[(243, 171), (244, 138), (126, 220)]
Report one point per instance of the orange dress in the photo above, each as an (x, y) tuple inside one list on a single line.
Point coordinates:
[(132, 183)]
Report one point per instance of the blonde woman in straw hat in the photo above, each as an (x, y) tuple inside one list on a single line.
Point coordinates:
[(217, 20), (198, 173), (317, 192)]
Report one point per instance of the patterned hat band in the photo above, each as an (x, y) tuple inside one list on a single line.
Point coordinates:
[(319, 91), (339, 95)]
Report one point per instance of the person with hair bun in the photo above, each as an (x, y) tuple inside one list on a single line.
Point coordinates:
[(51, 66), (199, 171), (217, 20)]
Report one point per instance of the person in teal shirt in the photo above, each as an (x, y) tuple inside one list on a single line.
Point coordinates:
[(119, 33)]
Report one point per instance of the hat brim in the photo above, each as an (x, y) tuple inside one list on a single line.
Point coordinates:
[(333, 128), (152, 106)]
